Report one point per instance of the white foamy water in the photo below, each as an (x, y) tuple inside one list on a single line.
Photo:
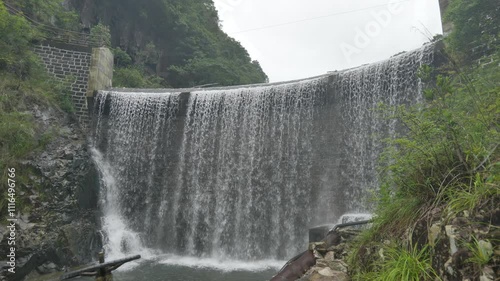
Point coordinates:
[(346, 218), (220, 264), (119, 240)]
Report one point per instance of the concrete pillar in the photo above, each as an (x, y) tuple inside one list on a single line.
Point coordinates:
[(447, 26), (101, 73)]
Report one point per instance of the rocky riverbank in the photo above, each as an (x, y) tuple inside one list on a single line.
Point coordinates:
[(56, 201), (331, 262), (461, 247)]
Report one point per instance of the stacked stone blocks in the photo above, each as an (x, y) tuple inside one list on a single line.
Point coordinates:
[(71, 66)]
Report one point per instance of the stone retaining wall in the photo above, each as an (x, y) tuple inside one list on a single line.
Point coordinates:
[(70, 65), (83, 70)]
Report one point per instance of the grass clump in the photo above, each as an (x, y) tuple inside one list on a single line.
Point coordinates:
[(474, 196), (402, 264), (481, 251)]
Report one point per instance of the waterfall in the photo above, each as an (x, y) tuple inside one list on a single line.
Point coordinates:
[(241, 173)]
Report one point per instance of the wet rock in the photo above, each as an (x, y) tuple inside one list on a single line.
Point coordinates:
[(488, 274), (450, 232), (434, 234), (326, 272), (326, 275), (25, 225), (459, 258), (338, 265), (318, 246), (485, 247), (330, 256), (449, 268), (46, 268)]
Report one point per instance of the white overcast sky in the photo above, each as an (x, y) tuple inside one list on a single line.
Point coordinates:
[(295, 39)]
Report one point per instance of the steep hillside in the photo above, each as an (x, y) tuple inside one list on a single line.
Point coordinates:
[(46, 176), (179, 41), (438, 207)]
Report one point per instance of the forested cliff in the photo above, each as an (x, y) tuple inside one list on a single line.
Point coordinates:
[(157, 43)]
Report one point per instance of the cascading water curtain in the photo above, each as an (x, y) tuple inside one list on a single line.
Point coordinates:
[(242, 185), (242, 173), (392, 82), (229, 179)]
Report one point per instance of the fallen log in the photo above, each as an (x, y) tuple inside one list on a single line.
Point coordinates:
[(96, 267)]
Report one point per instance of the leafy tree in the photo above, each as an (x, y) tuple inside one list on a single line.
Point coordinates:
[(100, 36), (476, 22), (122, 59), (49, 12), (134, 77), (16, 35)]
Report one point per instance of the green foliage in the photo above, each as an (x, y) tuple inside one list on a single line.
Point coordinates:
[(60, 94), (100, 36), (180, 41), (401, 264), (19, 135), (134, 77), (16, 35), (446, 158), (404, 264), (202, 70), (63, 99), (481, 251), (469, 198), (476, 22), (24, 84), (122, 59), (16, 133), (149, 55), (450, 143), (17, 130), (49, 13), (130, 75)]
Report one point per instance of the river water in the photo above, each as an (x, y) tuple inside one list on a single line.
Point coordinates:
[(174, 268)]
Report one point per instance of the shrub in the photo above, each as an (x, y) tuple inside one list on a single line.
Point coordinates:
[(16, 35), (134, 77), (100, 36)]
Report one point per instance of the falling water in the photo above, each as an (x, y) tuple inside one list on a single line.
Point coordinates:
[(119, 239), (361, 91), (242, 173)]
